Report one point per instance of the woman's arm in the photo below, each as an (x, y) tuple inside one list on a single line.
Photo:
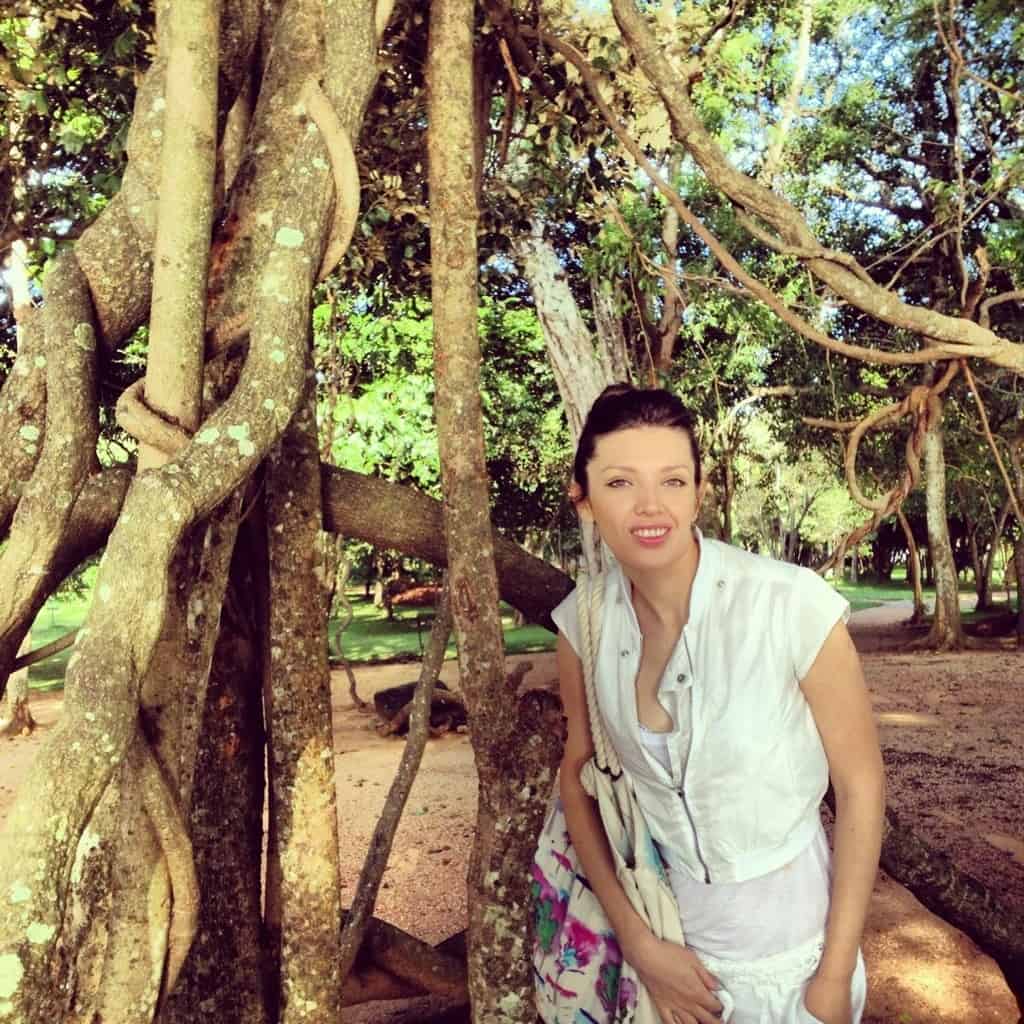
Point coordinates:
[(675, 978), (835, 689)]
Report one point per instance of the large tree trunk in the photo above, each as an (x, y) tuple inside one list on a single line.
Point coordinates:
[(946, 633), (514, 765), (303, 894), (133, 626), (224, 977)]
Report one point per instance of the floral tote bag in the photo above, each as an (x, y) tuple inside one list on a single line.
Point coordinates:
[(579, 974)]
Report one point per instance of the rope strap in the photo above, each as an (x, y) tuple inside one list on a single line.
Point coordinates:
[(589, 608)]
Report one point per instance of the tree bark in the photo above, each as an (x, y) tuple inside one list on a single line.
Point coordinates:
[(304, 897), (990, 554), (957, 898), (946, 633), (580, 371), (224, 977), (611, 348), (913, 568), (15, 715), (511, 773)]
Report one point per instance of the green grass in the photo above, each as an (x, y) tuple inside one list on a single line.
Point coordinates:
[(873, 593), (59, 615), (372, 637)]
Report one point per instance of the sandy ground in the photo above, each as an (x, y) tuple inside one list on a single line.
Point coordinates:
[(950, 728)]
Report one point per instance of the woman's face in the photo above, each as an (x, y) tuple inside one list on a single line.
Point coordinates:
[(643, 494)]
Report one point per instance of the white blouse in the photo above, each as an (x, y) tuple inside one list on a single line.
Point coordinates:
[(756, 918), (731, 801)]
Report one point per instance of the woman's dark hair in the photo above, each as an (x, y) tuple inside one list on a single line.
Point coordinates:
[(620, 406)]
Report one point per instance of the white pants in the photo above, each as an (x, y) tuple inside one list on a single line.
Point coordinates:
[(770, 990)]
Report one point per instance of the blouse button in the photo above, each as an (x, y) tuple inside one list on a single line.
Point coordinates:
[(721, 584), (625, 654), (681, 678)]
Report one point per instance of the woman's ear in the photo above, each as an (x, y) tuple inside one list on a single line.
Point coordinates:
[(702, 493), (580, 502)]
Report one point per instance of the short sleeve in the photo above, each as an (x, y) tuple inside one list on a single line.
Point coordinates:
[(567, 620), (817, 607)]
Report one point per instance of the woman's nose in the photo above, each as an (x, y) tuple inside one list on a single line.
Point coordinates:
[(647, 499)]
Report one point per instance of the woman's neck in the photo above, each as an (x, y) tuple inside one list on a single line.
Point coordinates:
[(664, 594)]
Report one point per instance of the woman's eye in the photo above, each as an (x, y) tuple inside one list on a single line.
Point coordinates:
[(675, 481), (618, 482)]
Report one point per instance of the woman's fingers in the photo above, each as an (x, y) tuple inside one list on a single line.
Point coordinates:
[(707, 1017), (669, 1016), (707, 977)]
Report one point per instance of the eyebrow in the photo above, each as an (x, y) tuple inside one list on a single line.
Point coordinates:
[(665, 469)]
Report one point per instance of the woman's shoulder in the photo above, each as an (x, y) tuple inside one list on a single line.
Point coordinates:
[(737, 562)]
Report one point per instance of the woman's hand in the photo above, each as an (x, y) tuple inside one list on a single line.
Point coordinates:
[(682, 988), (828, 999)]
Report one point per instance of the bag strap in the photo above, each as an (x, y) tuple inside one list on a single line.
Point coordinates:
[(589, 609)]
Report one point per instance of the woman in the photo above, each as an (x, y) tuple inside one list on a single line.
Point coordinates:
[(731, 690)]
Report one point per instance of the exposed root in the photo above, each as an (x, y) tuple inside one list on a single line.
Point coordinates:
[(20, 722), (344, 169), (415, 962)]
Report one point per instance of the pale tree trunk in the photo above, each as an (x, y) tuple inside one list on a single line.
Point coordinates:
[(153, 913), (946, 632), (513, 765), (581, 369), (611, 347), (791, 105), (303, 899)]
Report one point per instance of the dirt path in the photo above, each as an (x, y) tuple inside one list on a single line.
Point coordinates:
[(950, 728)]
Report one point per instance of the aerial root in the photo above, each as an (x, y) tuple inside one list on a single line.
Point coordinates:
[(344, 170), (146, 425), (162, 809)]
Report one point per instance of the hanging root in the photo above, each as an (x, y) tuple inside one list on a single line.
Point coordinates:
[(921, 403), (344, 169)]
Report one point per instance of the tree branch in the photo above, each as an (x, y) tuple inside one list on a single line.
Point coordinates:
[(949, 333), (941, 349), (359, 915), (503, 20)]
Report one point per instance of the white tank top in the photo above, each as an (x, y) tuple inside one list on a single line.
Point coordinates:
[(757, 917)]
